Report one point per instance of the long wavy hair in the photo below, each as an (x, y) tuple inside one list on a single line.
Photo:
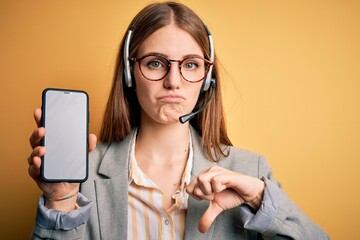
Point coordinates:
[(123, 112)]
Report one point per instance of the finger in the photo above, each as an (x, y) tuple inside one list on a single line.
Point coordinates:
[(37, 116), (37, 152), (34, 168), (195, 196), (194, 191), (217, 185), (190, 190), (204, 179), (208, 217), (200, 194), (37, 162), (190, 187), (36, 136), (92, 142), (246, 187), (204, 184)]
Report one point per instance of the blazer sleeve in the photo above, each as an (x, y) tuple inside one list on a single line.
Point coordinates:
[(53, 224), (278, 217)]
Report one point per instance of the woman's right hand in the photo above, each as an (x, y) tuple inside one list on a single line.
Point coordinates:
[(52, 191)]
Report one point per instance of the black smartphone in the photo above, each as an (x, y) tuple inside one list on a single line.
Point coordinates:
[(65, 116)]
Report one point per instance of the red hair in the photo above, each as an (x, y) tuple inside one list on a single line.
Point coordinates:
[(122, 112)]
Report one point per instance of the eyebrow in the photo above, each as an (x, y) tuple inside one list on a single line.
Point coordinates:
[(166, 56)]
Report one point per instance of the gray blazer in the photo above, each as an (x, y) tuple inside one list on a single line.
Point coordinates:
[(107, 188)]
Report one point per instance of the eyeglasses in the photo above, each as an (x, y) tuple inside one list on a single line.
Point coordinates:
[(155, 67)]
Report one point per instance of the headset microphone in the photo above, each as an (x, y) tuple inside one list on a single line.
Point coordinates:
[(209, 82), (183, 119)]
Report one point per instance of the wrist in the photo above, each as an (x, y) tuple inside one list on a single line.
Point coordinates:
[(256, 202), (65, 204), (52, 219)]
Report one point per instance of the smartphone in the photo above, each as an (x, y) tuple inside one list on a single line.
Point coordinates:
[(65, 116)]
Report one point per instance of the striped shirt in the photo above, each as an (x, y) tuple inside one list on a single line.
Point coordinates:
[(148, 217)]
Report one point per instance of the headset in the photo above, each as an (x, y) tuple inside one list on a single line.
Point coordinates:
[(208, 83)]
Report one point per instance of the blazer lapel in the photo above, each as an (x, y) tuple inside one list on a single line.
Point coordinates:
[(197, 208), (111, 193), (111, 196)]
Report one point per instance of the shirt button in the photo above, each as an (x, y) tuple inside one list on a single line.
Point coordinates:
[(167, 222)]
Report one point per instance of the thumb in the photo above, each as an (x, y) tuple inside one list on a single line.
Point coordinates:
[(92, 142), (209, 216)]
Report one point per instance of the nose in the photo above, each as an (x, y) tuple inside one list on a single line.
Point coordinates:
[(173, 78)]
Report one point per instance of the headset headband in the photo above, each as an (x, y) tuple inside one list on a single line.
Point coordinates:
[(208, 82)]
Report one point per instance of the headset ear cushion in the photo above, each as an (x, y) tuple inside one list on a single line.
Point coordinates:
[(207, 84), (127, 76), (204, 86), (125, 81)]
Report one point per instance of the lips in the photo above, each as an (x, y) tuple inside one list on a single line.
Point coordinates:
[(171, 98)]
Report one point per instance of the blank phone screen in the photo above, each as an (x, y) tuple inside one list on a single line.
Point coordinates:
[(65, 118)]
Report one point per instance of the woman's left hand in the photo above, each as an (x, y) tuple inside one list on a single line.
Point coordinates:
[(224, 189)]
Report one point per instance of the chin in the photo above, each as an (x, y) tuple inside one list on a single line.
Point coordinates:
[(170, 115), (170, 118)]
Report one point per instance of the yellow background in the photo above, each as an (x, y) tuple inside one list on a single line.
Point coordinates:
[(292, 79)]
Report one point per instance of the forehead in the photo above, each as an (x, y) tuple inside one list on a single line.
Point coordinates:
[(170, 41)]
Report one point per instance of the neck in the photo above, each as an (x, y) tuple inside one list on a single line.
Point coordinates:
[(162, 142)]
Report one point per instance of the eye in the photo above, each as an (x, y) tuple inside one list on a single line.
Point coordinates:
[(154, 63), (191, 64)]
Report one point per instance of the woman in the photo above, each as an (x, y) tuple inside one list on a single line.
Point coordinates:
[(152, 177)]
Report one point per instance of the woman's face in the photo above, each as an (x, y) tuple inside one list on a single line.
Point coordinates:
[(164, 101)]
